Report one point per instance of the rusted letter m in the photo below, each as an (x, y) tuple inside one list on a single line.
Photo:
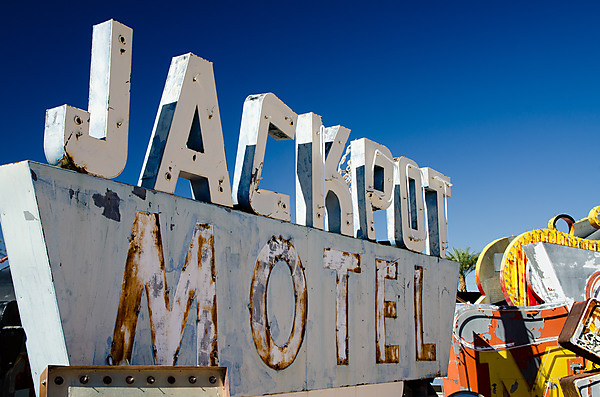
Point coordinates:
[(145, 270)]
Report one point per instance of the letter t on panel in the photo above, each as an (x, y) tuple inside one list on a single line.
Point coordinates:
[(342, 263)]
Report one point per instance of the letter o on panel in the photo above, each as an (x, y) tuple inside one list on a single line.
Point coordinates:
[(275, 356)]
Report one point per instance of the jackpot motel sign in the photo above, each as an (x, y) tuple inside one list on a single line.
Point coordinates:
[(108, 273)]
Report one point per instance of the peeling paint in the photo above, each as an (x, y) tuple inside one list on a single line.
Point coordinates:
[(140, 192), (342, 263), (513, 273), (509, 350), (110, 202)]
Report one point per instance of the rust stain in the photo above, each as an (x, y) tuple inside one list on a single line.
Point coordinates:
[(277, 357), (344, 360), (390, 309), (207, 304), (68, 163), (145, 272), (425, 351), (131, 293)]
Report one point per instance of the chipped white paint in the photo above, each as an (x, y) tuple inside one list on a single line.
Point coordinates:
[(187, 139), (559, 273), (342, 263), (542, 278), (263, 115), (95, 141)]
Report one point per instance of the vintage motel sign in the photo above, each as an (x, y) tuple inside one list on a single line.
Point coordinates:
[(112, 274)]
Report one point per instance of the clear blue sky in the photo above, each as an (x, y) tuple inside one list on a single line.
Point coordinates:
[(502, 96)]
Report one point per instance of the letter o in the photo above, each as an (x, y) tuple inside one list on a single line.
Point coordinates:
[(275, 356)]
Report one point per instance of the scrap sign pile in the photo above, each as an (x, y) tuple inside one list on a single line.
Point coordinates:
[(111, 274), (537, 331)]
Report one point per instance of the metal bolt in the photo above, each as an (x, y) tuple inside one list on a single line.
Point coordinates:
[(171, 379), (119, 124), (107, 380), (212, 379), (59, 380), (122, 39), (192, 379), (84, 379), (77, 120), (168, 176), (130, 379), (150, 380)]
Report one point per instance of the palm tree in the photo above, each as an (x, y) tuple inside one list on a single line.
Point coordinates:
[(467, 261)]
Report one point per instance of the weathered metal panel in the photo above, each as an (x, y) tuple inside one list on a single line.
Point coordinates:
[(487, 270), (581, 332), (513, 275), (499, 351), (581, 385), (559, 273), (82, 237)]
